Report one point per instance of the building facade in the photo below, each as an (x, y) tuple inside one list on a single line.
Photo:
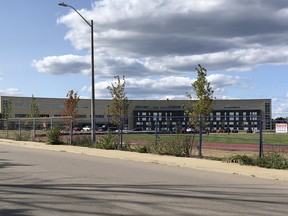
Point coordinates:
[(152, 114)]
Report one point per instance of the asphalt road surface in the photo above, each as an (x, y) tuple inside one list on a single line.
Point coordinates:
[(41, 182)]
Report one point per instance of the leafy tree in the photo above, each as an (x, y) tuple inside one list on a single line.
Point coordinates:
[(34, 113), (70, 107), (199, 110), (7, 109), (202, 106), (34, 109), (120, 104)]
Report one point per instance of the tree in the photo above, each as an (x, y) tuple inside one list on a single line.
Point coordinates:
[(34, 113), (120, 104), (202, 106), (199, 110), (34, 109), (70, 107), (7, 109)]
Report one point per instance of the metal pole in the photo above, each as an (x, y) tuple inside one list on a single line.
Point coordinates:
[(261, 137), (200, 136), (156, 130), (93, 129)]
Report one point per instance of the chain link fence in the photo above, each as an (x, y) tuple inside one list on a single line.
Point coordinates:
[(35, 129), (217, 137)]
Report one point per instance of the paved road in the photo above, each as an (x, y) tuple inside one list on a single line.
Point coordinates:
[(41, 182)]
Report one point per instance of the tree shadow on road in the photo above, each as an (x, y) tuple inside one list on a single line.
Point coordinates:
[(127, 199), (14, 212)]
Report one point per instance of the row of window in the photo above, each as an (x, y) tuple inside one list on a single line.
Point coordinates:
[(48, 106), (56, 115), (157, 107)]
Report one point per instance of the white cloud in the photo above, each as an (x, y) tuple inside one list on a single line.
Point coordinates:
[(281, 110), (169, 87), (157, 44), (221, 80), (62, 64), (10, 92)]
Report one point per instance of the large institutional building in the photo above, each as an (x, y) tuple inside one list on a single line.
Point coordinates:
[(149, 114)]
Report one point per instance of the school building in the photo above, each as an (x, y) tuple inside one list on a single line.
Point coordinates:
[(151, 114)]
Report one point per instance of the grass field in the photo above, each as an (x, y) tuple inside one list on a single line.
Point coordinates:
[(239, 138), (214, 144)]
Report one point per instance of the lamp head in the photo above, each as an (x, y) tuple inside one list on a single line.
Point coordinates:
[(63, 4)]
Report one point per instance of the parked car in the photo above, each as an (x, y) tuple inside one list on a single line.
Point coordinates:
[(86, 128), (249, 131), (220, 130), (76, 129), (234, 131), (256, 131), (227, 130), (137, 129), (213, 131)]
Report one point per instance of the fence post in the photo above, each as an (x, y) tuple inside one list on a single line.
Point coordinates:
[(156, 131), (71, 130), (121, 131), (200, 136), (261, 137), (19, 127), (7, 128), (34, 129)]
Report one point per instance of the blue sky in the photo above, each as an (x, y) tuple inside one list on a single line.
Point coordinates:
[(155, 44)]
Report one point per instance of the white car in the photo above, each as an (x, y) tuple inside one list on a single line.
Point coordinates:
[(86, 128)]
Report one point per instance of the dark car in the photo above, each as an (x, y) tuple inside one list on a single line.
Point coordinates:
[(137, 129), (249, 131), (227, 130)]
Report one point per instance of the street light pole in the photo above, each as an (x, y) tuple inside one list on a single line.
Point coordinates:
[(90, 24)]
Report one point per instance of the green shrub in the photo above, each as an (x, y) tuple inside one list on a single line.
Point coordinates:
[(125, 147), (84, 141), (143, 149), (179, 146), (108, 141), (273, 160), (240, 159), (21, 137), (54, 135)]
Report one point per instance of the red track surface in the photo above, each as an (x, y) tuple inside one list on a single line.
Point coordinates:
[(229, 146), (242, 147)]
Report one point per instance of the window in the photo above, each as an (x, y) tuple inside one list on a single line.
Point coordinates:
[(218, 116), (21, 115), (231, 115), (44, 115)]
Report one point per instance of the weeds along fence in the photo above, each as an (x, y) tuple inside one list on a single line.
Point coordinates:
[(35, 129), (216, 136)]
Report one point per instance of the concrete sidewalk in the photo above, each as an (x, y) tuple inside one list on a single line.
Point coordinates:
[(194, 163)]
